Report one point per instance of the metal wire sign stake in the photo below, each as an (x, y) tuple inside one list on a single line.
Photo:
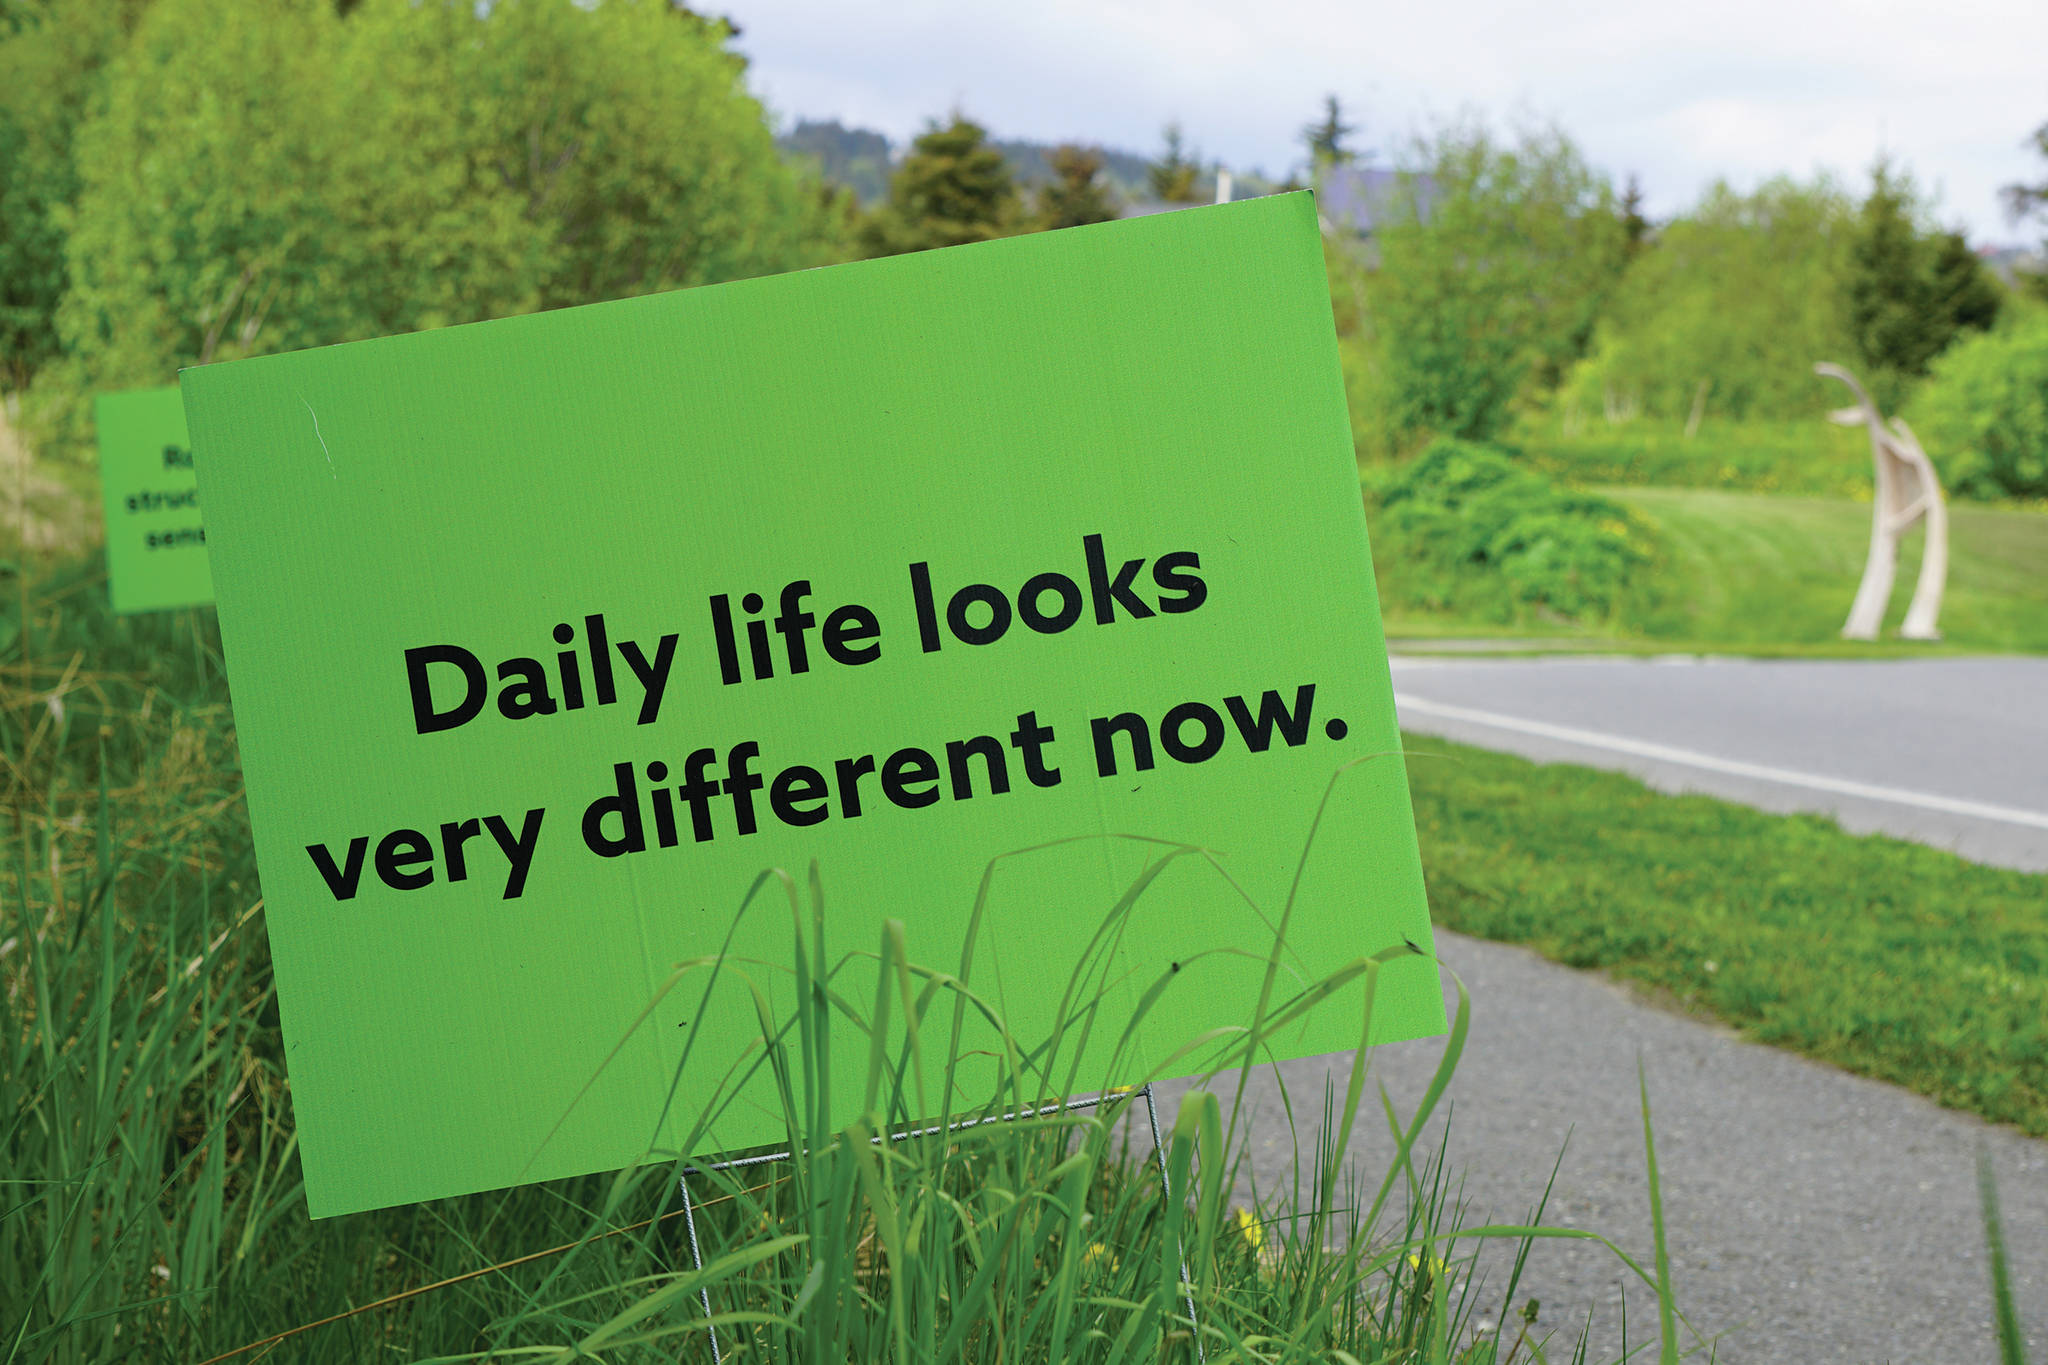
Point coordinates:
[(1158, 1155)]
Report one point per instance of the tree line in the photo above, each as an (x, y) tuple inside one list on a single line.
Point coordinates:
[(192, 180), (1510, 288), (1505, 279)]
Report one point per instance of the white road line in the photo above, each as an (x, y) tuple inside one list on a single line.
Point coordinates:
[(1408, 703)]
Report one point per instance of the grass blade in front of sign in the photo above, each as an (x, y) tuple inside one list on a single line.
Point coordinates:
[(150, 1205)]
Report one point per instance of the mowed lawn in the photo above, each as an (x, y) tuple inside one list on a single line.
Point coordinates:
[(1888, 958), (1764, 569)]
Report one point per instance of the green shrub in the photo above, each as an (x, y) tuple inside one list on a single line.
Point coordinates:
[(1465, 527), (1983, 413)]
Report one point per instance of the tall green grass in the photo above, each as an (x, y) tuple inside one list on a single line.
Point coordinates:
[(2012, 1348), (151, 1208)]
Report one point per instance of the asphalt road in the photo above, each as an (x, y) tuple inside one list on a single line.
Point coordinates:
[(1950, 752), (1812, 1216)]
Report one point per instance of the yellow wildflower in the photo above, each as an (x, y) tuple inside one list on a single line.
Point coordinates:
[(1438, 1266)]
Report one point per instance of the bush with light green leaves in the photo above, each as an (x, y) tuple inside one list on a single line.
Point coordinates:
[(265, 175), (1983, 413), (1726, 314)]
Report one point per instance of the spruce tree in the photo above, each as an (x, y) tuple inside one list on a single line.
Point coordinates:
[(1326, 137), (2025, 200), (1908, 291), (1964, 293), (1886, 287), (1172, 176), (952, 188), (1075, 195), (1635, 228)]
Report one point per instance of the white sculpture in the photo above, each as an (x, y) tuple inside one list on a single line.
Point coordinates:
[(1907, 490)]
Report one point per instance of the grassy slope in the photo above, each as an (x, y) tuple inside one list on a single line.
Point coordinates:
[(1759, 569), (1772, 573), (1887, 958)]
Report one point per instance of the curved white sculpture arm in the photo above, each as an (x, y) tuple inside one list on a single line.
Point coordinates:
[(1907, 491)]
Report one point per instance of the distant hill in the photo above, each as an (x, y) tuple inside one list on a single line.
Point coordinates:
[(1124, 172), (857, 158), (861, 159)]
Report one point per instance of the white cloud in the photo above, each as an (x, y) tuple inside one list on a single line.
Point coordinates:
[(1679, 94)]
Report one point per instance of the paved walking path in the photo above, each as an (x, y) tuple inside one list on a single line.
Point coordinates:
[(1812, 1216)]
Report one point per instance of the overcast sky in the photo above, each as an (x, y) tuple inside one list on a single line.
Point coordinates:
[(1676, 93)]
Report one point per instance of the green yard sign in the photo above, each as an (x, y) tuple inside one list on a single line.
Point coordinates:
[(156, 548), (548, 635)]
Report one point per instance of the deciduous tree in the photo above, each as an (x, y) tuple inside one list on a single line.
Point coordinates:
[(1734, 304), (51, 57), (264, 174), (1492, 272)]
